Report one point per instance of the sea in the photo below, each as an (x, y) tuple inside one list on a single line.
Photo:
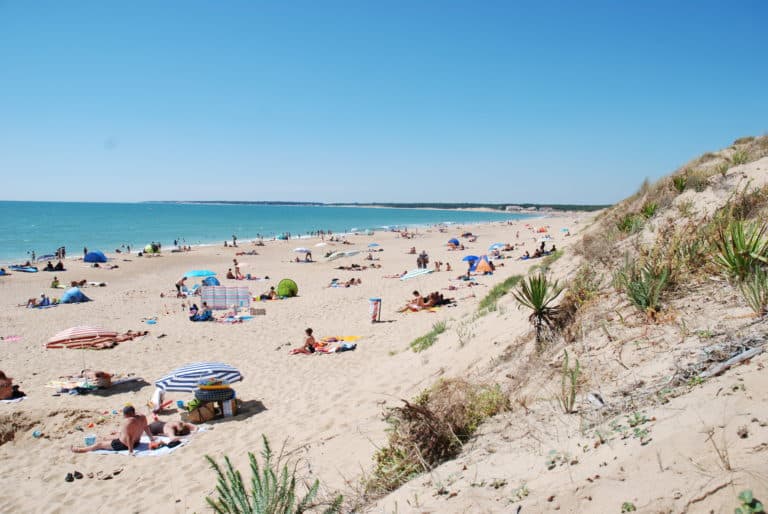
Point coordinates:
[(42, 227)]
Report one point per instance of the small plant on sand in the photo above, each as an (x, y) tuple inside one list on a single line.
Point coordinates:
[(489, 302), (628, 507), (679, 183), (430, 430), (723, 168), (273, 488), (748, 504), (740, 157), (754, 289), (537, 293), (742, 248), (642, 285), (630, 223), (648, 210), (422, 343), (569, 384)]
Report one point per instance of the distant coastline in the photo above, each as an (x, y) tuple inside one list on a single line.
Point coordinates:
[(487, 207)]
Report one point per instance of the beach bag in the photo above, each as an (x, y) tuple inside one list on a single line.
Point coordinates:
[(206, 412)]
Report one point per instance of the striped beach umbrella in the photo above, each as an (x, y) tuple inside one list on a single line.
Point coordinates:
[(74, 337), (186, 378)]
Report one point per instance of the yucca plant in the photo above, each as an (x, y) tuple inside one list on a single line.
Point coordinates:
[(649, 209), (754, 288), (537, 293), (679, 182), (645, 286), (270, 493), (742, 247)]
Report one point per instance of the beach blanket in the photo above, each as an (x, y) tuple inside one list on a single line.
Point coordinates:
[(74, 382), (224, 297), (143, 449)]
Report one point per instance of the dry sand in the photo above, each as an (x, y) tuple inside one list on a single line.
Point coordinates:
[(326, 408)]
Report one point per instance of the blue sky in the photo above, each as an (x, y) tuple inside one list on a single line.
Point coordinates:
[(481, 101)]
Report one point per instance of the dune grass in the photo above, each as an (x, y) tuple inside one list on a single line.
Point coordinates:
[(488, 304), (423, 342)]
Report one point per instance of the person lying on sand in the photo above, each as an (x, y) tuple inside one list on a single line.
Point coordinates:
[(44, 301), (172, 429), (78, 283), (309, 344), (130, 434)]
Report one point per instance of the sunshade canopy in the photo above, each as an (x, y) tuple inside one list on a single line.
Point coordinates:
[(81, 332), (186, 378)]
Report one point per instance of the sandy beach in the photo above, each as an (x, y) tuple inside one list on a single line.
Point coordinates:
[(326, 409)]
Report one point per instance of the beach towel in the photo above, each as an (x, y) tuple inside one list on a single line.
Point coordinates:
[(75, 382), (142, 450), (416, 273), (13, 400), (224, 297)]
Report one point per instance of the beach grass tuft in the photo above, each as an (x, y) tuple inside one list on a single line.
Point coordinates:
[(421, 343), (488, 303)]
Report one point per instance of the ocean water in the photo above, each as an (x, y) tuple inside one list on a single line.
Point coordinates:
[(42, 227)]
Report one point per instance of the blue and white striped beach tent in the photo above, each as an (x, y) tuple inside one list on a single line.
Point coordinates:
[(185, 378)]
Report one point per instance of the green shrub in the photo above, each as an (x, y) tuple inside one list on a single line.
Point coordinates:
[(679, 183), (273, 488), (740, 157), (723, 168), (630, 223), (648, 210), (489, 302), (742, 248), (744, 140), (643, 285), (748, 504), (698, 180), (422, 343)]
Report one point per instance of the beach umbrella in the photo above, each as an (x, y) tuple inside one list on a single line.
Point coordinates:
[(199, 273), (564, 229), (496, 245), (95, 256), (186, 378), (287, 288), (453, 241), (79, 334), (318, 245), (373, 245), (470, 258), (301, 249)]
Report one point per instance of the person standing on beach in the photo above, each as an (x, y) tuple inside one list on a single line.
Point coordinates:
[(234, 240)]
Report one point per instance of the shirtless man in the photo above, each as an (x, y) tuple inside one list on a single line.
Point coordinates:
[(130, 434)]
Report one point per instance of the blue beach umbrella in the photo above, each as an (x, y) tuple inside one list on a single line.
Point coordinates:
[(199, 273), (454, 242), (469, 258), (186, 378), (373, 245), (496, 245)]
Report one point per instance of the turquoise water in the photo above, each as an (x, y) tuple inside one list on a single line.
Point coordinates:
[(44, 226)]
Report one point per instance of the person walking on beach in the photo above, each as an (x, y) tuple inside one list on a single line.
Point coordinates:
[(130, 434), (234, 240), (85, 251)]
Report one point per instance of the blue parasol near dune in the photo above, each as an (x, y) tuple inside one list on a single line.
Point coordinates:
[(469, 258), (186, 378)]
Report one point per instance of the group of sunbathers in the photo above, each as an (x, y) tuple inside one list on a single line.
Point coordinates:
[(418, 302), (50, 267), (335, 282), (133, 427), (357, 267), (540, 252)]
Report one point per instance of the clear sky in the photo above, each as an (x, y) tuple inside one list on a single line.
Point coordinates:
[(478, 101)]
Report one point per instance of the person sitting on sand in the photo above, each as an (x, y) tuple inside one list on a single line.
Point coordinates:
[(309, 344), (55, 283), (172, 429), (44, 301), (416, 303), (448, 266), (49, 267), (269, 295), (59, 266), (230, 275), (130, 434)]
